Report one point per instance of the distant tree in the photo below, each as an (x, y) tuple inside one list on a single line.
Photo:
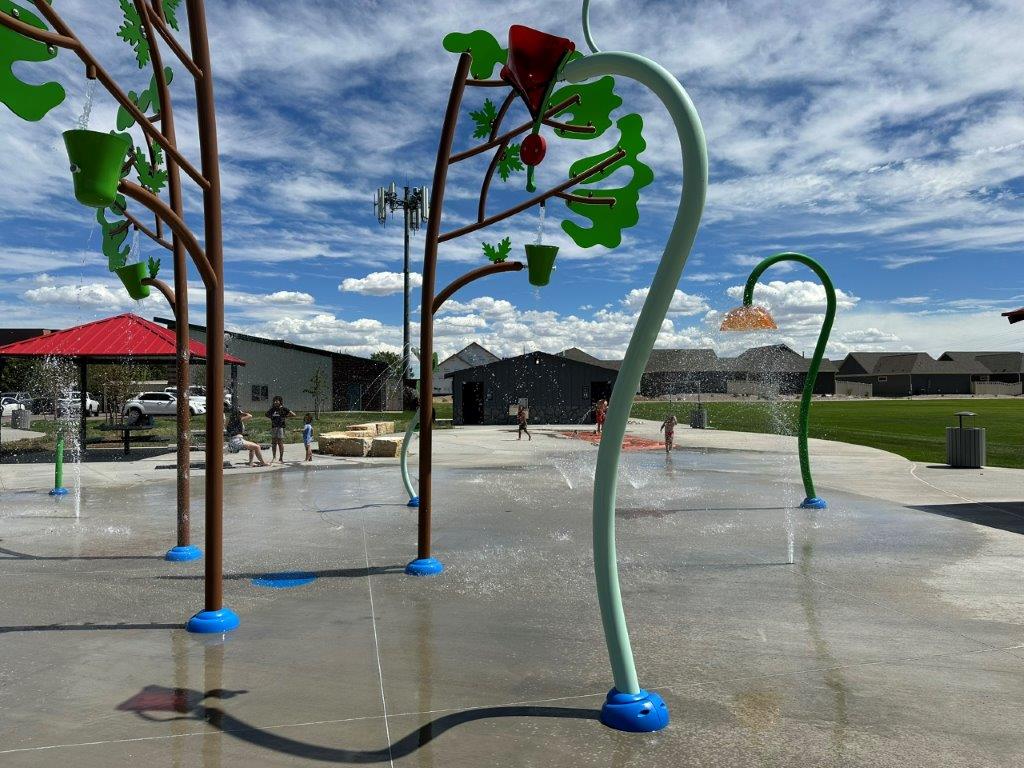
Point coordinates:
[(393, 360), (16, 374), (317, 390), (119, 382)]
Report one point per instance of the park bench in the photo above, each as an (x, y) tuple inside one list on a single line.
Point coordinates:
[(127, 427)]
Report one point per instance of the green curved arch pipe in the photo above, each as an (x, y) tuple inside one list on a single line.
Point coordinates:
[(684, 229), (406, 480), (819, 349)]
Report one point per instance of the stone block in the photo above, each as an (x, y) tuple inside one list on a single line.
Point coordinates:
[(386, 447), (344, 444)]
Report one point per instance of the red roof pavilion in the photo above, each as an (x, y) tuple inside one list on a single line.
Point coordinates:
[(112, 339)]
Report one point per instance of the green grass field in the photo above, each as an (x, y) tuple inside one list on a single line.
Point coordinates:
[(915, 429)]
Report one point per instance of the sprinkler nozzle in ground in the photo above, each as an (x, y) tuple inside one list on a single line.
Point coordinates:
[(748, 318)]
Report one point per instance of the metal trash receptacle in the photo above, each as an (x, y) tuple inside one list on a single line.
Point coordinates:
[(21, 419), (699, 418), (965, 446)]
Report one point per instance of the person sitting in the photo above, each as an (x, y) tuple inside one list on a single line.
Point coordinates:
[(235, 427)]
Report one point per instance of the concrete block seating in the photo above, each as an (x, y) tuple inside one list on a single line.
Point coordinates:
[(360, 439), (374, 427), (344, 443), (387, 446)]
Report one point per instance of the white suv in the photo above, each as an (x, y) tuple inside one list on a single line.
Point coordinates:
[(159, 404), (73, 404)]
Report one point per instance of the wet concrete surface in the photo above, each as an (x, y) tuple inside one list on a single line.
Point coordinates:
[(895, 638)]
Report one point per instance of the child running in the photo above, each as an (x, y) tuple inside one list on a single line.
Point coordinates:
[(669, 425), (307, 436), (522, 418)]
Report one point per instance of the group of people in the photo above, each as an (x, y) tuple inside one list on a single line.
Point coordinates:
[(600, 411), (235, 419)]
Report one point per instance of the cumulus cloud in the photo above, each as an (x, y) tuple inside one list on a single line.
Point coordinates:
[(682, 303), (380, 283), (278, 298), (90, 295)]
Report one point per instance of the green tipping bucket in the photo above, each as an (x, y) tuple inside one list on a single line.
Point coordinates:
[(96, 162), (540, 259), (132, 276)]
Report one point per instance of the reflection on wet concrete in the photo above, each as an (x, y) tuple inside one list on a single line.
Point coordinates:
[(833, 675)]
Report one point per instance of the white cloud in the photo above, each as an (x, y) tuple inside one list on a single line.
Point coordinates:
[(89, 295), (380, 283), (682, 303)]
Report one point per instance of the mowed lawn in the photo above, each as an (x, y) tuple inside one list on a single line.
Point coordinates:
[(915, 429)]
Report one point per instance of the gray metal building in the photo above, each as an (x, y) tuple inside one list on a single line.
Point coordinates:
[(556, 389), (275, 367)]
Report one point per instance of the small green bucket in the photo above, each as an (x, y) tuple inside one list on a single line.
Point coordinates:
[(540, 259), (96, 162), (132, 276)]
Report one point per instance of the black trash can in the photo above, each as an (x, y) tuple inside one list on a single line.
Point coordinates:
[(965, 446), (699, 418)]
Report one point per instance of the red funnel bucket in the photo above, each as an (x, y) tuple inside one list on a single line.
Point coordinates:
[(533, 61)]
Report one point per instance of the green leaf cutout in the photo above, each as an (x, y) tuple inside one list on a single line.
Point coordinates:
[(597, 102), (131, 32), (114, 234), (26, 100), (609, 221), (509, 162), (486, 51), (151, 175), (154, 267), (148, 101), (484, 118), (171, 12), (498, 253)]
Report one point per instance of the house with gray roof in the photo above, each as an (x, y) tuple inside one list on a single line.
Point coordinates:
[(903, 374), (470, 357)]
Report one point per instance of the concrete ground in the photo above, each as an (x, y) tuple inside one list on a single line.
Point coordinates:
[(895, 638)]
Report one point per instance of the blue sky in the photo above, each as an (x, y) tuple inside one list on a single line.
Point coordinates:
[(888, 142)]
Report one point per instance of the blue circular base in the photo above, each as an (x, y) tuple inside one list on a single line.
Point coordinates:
[(641, 712), (210, 622), (414, 502), (284, 580), (814, 502), (183, 554), (427, 566), (59, 492)]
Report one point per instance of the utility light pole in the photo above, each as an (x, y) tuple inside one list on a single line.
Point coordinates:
[(415, 206)]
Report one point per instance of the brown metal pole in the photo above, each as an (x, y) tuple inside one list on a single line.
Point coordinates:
[(207, 121), (178, 299), (475, 274), (444, 150)]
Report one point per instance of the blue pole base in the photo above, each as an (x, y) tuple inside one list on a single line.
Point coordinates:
[(427, 566), (414, 502), (642, 712), (59, 492), (182, 554), (814, 502), (211, 622)]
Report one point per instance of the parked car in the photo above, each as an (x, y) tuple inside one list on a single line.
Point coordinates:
[(10, 405), (21, 397), (158, 404), (73, 404), (196, 394)]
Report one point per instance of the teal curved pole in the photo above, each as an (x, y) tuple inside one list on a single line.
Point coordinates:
[(414, 500), (812, 500), (628, 706)]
